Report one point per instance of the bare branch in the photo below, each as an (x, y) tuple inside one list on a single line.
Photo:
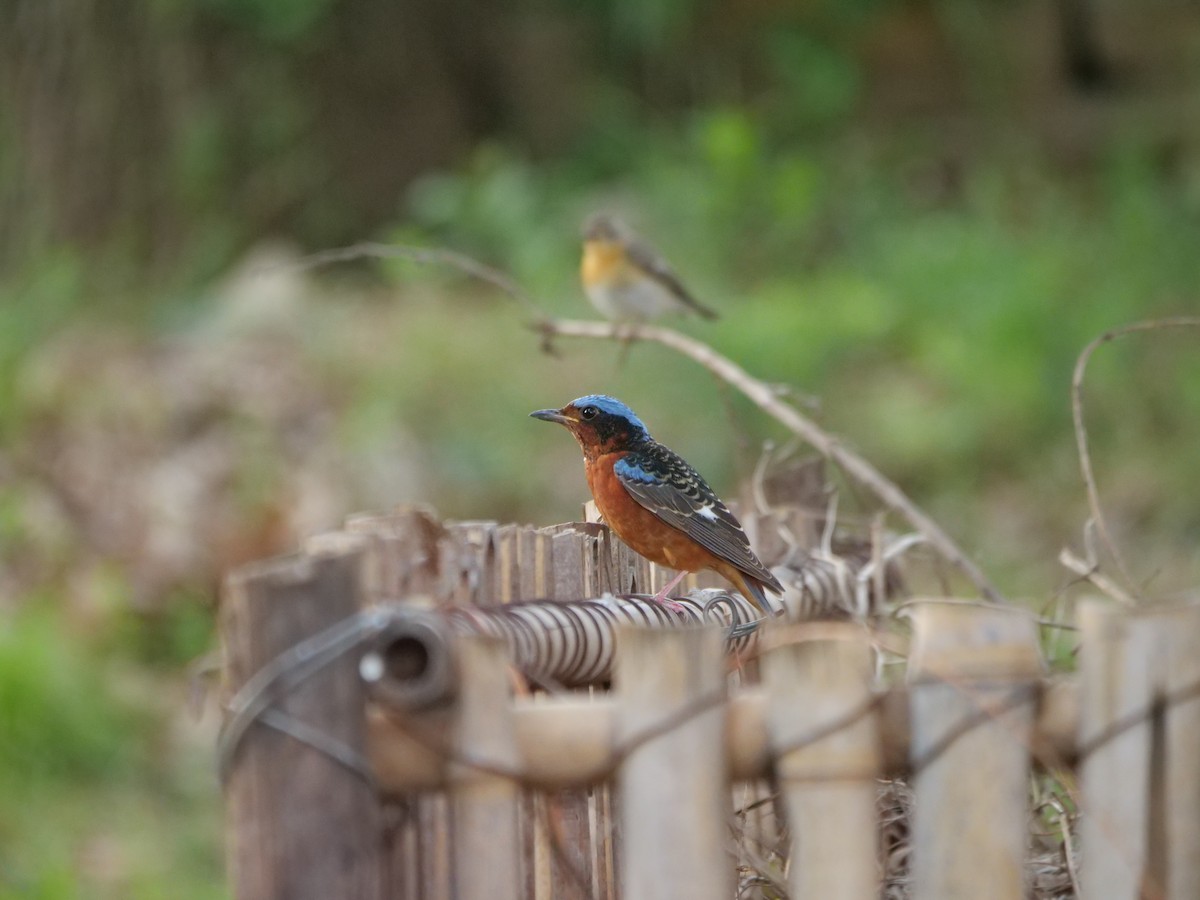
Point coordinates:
[(1089, 570), (426, 256)]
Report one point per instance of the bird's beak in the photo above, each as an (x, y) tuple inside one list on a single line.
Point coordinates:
[(550, 415)]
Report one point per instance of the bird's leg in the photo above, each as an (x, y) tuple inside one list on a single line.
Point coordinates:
[(624, 334), (661, 596)]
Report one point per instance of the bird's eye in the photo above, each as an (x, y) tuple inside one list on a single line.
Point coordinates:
[(588, 412)]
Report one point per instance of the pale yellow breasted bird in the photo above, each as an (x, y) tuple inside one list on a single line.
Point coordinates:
[(626, 280)]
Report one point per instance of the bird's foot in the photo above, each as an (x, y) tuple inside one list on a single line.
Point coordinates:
[(662, 598), (673, 605)]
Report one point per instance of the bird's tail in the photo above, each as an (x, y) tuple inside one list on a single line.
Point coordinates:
[(754, 591)]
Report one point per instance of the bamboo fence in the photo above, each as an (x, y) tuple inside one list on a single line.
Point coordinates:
[(419, 709)]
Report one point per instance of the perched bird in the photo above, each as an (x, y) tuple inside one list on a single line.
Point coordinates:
[(626, 279), (657, 503)]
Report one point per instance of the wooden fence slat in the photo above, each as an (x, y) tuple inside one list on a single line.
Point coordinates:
[(607, 550), (487, 840), (300, 824), (543, 562), (506, 585), (566, 552), (401, 831), (674, 788), (402, 554), (404, 561), (468, 563), (562, 563), (538, 878), (604, 822), (973, 672), (829, 783), (605, 825), (564, 828), (523, 547), (435, 841), (571, 810), (1181, 788), (1117, 662), (590, 549)]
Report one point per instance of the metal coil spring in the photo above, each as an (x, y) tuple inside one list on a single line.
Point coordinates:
[(573, 644)]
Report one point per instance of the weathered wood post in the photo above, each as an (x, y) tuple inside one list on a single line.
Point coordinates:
[(1116, 664), (300, 824), (824, 734), (973, 672), (1180, 627), (1140, 736), (674, 785), (487, 841), (571, 859)]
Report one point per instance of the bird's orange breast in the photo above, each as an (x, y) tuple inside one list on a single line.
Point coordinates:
[(604, 263), (637, 526)]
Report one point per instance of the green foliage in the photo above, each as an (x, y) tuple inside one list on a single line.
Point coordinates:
[(57, 717), (178, 632), (649, 25), (498, 207), (38, 300), (816, 83), (278, 21), (86, 810)]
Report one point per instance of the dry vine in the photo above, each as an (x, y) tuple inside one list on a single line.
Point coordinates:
[(1129, 589)]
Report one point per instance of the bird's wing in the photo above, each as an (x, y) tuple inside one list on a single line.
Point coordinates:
[(644, 257), (662, 482)]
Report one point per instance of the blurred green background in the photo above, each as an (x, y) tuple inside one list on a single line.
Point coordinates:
[(913, 212)]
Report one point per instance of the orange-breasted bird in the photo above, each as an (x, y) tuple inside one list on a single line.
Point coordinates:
[(626, 280), (657, 503)]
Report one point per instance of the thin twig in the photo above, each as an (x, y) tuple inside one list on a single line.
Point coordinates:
[(757, 488), (1064, 824), (1089, 571), (427, 256), (1081, 435), (769, 401)]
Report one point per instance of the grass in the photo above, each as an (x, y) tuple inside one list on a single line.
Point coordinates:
[(103, 791)]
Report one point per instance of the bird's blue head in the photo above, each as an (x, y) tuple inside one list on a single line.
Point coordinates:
[(600, 423)]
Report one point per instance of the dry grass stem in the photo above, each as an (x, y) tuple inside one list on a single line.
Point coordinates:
[(1081, 436)]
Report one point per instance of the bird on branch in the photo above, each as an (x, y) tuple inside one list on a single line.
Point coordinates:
[(626, 279)]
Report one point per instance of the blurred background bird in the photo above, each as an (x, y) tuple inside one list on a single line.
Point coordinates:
[(656, 502), (626, 279)]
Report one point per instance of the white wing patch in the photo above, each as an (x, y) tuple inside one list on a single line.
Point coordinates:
[(706, 512)]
